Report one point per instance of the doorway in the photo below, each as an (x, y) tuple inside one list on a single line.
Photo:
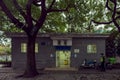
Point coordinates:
[(63, 58)]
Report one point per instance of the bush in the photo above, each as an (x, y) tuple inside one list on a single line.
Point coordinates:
[(112, 60)]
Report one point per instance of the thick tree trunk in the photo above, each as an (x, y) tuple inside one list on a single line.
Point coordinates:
[(31, 70)]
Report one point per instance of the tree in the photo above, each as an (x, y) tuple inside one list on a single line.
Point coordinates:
[(30, 24), (77, 18), (111, 42), (113, 10), (30, 16)]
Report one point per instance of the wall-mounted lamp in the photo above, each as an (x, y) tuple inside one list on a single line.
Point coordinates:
[(51, 55), (75, 55)]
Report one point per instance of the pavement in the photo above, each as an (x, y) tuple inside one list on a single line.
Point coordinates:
[(84, 74)]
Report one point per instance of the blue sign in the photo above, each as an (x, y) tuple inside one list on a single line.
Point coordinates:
[(62, 47)]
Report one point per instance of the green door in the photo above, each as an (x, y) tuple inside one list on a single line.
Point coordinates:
[(63, 58)]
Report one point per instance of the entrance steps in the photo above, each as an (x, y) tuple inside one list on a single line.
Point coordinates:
[(61, 69)]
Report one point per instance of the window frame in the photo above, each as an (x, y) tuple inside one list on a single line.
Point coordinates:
[(91, 48), (36, 47), (23, 47)]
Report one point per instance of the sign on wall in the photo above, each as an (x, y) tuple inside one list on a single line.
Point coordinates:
[(62, 42)]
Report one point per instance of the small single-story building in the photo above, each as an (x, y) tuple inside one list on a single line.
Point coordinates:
[(61, 50)]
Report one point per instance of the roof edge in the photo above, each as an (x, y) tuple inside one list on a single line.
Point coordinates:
[(8, 34)]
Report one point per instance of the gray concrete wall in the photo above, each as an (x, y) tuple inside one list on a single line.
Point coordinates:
[(18, 58), (43, 56), (81, 44)]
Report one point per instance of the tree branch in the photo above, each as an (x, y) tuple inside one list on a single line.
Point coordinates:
[(114, 15), (117, 17), (108, 7), (112, 21), (114, 11), (101, 22), (50, 7), (29, 14), (42, 17), (17, 6), (34, 20), (11, 17), (37, 2)]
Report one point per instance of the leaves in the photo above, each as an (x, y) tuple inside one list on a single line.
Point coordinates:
[(76, 19)]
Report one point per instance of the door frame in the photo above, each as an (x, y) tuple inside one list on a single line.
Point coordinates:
[(65, 64)]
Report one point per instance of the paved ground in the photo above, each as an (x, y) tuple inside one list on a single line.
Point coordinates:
[(9, 74)]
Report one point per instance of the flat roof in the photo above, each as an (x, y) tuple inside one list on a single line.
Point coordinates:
[(69, 35)]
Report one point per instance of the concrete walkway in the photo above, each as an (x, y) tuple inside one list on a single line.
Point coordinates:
[(87, 74)]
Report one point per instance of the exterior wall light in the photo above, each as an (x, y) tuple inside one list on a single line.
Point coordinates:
[(75, 55), (51, 55)]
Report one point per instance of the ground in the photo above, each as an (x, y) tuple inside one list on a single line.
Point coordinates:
[(87, 74)]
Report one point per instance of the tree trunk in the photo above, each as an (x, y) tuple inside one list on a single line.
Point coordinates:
[(30, 70)]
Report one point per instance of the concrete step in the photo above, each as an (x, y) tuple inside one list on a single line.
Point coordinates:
[(61, 69)]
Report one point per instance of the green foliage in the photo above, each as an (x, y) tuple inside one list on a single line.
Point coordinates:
[(5, 23), (4, 50), (76, 19), (112, 60), (36, 12), (54, 24)]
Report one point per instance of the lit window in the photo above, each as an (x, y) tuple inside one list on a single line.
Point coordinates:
[(91, 49), (76, 50), (23, 47), (36, 47)]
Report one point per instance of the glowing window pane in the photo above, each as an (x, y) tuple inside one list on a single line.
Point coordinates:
[(91, 48), (23, 47)]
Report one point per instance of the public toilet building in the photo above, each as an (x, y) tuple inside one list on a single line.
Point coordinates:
[(58, 50)]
